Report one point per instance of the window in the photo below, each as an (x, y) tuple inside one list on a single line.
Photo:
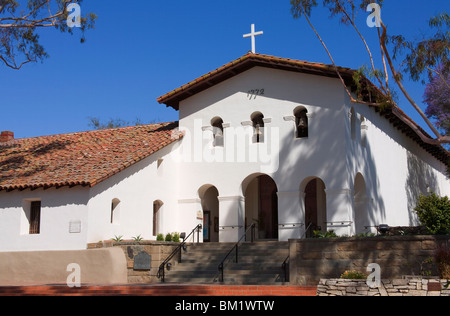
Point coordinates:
[(217, 125), (301, 122), (35, 218), (115, 211), (258, 127)]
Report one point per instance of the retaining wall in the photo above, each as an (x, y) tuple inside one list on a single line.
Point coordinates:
[(404, 287), (97, 266), (315, 259)]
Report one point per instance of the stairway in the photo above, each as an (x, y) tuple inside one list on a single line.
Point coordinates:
[(259, 264)]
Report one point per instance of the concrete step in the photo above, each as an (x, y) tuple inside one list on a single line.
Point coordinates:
[(259, 263)]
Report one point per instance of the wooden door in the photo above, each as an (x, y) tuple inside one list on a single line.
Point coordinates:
[(268, 208)]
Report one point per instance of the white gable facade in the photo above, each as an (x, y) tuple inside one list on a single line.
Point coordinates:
[(285, 150)]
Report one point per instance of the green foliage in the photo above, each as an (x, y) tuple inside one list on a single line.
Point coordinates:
[(365, 235), (117, 238), (328, 234), (434, 213), (137, 238), (354, 275), (20, 22), (176, 237), (429, 52), (160, 237), (168, 237)]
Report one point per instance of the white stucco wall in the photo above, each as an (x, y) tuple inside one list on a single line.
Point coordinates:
[(137, 187), (292, 161), (59, 209), (394, 168)]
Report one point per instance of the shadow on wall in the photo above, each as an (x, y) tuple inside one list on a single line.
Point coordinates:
[(421, 180), (338, 167)]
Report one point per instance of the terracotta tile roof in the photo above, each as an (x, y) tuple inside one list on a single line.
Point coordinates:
[(84, 158)]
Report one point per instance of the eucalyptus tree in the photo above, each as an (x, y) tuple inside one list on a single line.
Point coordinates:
[(20, 21)]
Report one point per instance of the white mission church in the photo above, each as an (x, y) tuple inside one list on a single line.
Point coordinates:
[(265, 140)]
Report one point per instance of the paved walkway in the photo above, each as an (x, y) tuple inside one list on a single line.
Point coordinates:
[(158, 290)]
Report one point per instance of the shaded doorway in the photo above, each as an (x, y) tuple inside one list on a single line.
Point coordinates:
[(362, 220), (261, 206), (209, 196), (315, 207)]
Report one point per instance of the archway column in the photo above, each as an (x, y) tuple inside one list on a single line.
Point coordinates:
[(340, 211), (231, 218), (190, 212), (291, 221)]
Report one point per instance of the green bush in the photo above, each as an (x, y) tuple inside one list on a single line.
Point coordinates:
[(168, 237), (160, 237), (176, 237), (328, 234), (434, 213)]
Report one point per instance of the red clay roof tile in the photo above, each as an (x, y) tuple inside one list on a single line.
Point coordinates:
[(84, 158)]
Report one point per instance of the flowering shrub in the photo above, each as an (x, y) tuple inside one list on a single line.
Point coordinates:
[(354, 275)]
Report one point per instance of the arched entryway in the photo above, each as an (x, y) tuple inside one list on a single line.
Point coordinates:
[(362, 220), (209, 196), (261, 205), (315, 206)]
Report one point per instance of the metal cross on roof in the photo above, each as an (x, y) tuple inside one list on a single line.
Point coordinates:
[(253, 34)]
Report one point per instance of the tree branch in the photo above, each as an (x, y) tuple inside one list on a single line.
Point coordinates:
[(329, 54), (402, 88), (440, 76)]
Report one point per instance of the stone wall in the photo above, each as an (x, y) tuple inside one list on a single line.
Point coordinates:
[(158, 252), (401, 287), (315, 259)]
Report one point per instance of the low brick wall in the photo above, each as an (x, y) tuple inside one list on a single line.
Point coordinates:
[(403, 287), (315, 259)]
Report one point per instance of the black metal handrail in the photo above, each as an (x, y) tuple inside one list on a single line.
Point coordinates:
[(285, 265), (236, 248), (161, 272)]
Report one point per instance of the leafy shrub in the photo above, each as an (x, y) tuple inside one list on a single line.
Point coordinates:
[(434, 213), (328, 234), (354, 275), (160, 237), (168, 237), (176, 237)]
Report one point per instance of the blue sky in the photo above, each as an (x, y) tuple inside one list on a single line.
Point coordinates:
[(143, 49)]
